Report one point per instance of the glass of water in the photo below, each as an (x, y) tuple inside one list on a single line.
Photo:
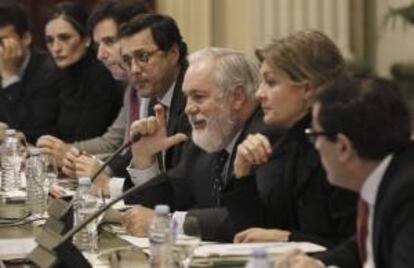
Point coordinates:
[(50, 170), (185, 244)]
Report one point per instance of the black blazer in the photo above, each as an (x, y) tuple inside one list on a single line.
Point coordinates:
[(31, 105), (189, 186), (393, 232), (291, 192)]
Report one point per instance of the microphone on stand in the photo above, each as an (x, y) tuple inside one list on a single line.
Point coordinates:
[(55, 250), (60, 218)]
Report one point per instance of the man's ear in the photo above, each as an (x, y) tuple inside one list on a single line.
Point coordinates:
[(345, 148), (238, 97), (309, 91), (27, 39)]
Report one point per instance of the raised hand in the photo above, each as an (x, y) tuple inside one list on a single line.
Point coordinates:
[(154, 138), (11, 56), (254, 150)]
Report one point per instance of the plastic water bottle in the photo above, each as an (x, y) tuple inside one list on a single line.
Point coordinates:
[(85, 205), (160, 238), (35, 188), (10, 177), (259, 259)]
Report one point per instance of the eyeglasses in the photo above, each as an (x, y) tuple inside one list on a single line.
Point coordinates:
[(140, 57), (312, 135)]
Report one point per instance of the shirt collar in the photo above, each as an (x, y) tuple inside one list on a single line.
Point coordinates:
[(370, 187), (167, 98)]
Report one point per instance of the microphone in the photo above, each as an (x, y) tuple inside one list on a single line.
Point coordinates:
[(59, 209), (53, 250)]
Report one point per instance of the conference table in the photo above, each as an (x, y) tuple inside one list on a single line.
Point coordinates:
[(109, 244)]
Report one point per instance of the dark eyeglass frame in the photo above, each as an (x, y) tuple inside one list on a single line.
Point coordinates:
[(312, 135), (140, 57)]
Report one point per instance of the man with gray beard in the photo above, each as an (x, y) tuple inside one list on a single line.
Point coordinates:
[(220, 87)]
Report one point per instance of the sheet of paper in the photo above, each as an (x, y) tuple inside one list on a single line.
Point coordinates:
[(16, 195), (16, 248), (246, 249), (141, 242)]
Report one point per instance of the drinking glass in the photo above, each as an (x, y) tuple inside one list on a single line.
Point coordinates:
[(50, 170), (185, 244)]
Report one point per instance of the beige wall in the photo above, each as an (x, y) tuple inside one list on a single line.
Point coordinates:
[(248, 24), (211, 22)]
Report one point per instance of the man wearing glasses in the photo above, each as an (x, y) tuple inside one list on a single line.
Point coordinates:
[(154, 55), (362, 131)]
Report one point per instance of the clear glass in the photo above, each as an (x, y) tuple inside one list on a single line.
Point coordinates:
[(92, 203), (185, 244), (50, 169)]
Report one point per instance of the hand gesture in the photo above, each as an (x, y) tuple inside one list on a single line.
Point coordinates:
[(137, 220), (254, 150), (11, 56), (53, 146), (154, 138), (69, 166), (252, 235), (298, 259)]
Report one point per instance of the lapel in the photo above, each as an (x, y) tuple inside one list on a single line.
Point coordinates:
[(177, 104), (176, 114)]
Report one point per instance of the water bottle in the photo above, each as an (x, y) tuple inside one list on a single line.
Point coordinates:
[(160, 237), (84, 205), (35, 188), (10, 173), (259, 259)]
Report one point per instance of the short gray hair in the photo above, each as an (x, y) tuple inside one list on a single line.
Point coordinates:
[(231, 68)]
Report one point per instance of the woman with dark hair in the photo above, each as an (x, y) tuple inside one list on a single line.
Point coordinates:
[(90, 97)]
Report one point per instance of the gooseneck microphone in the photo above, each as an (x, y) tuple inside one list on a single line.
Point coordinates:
[(59, 209), (53, 249)]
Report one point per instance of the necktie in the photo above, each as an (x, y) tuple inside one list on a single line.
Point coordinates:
[(133, 111), (362, 228), (218, 181), (151, 112), (152, 103)]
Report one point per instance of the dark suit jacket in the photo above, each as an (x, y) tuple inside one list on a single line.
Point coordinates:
[(177, 123), (190, 185), (291, 192), (31, 105), (393, 231)]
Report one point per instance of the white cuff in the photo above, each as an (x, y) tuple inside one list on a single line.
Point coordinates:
[(140, 176), (178, 219), (116, 187), (10, 81)]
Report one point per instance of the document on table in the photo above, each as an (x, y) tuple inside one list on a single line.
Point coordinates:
[(141, 242), (17, 248), (228, 250)]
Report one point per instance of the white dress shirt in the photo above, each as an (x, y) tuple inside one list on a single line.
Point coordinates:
[(369, 193)]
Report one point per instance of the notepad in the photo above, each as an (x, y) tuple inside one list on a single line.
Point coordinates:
[(228, 250)]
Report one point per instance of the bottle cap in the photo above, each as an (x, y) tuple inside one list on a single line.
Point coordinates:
[(162, 209), (84, 180)]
